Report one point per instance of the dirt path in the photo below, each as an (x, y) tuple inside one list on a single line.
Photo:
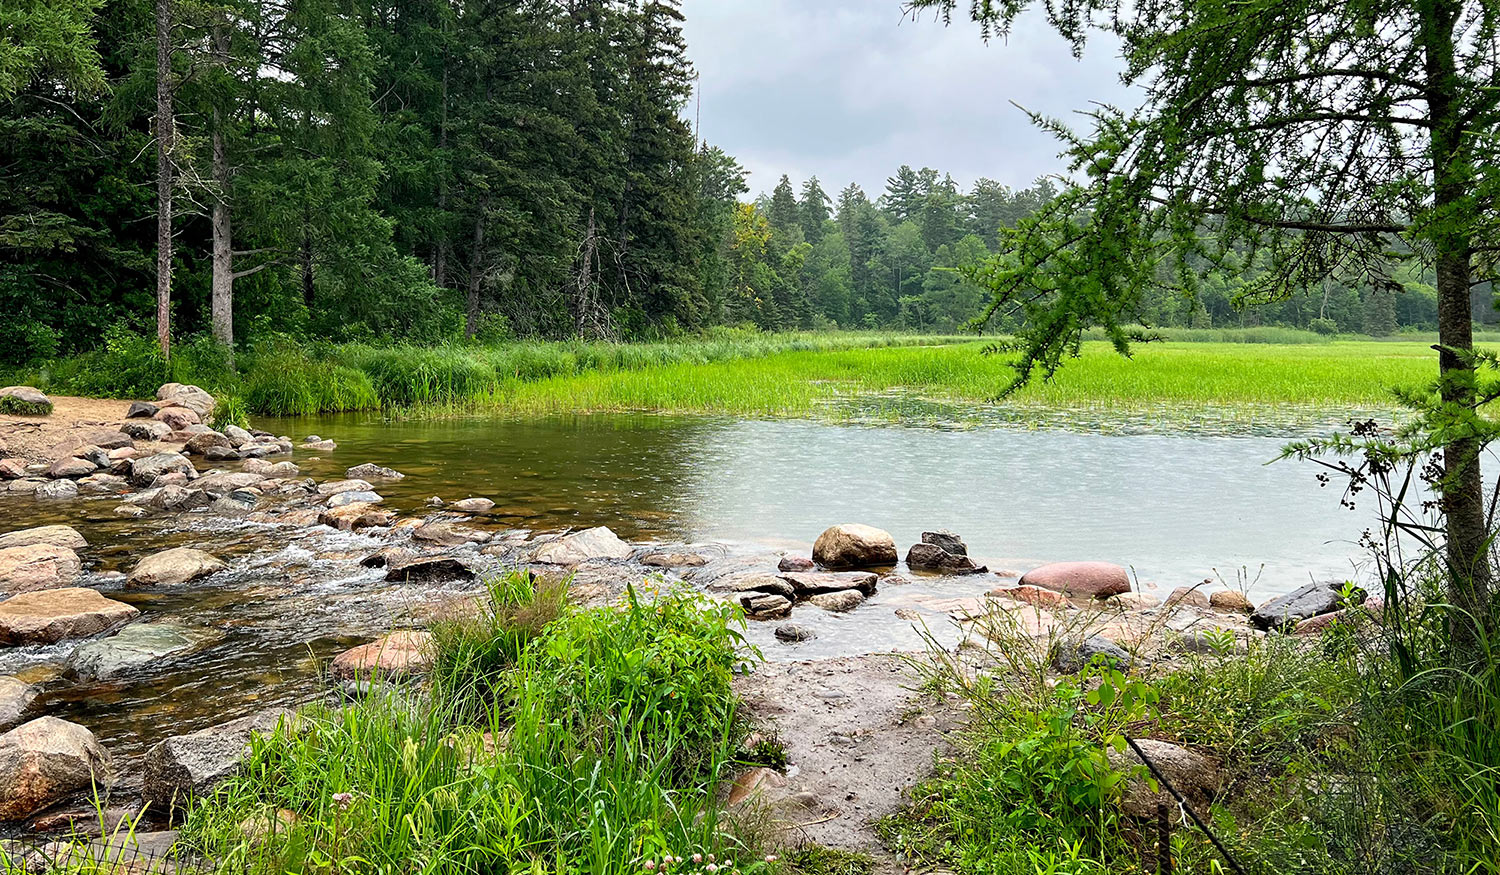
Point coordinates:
[(32, 437), (857, 737)]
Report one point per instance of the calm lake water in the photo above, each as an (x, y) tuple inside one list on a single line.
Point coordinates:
[(1175, 504)]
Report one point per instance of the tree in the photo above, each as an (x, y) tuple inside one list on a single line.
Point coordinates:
[(1315, 136), (51, 39), (783, 213), (166, 174), (903, 194), (813, 210)]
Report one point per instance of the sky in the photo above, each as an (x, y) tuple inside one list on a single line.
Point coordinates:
[(850, 90)]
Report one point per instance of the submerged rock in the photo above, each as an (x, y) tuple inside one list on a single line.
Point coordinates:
[(473, 505), (673, 560), (175, 566), (1032, 595), (45, 761), (370, 469), (53, 615), (184, 766), (1081, 579), (838, 602), (339, 499), (853, 545), (135, 646), (811, 583)]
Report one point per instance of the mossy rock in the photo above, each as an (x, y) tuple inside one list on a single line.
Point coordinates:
[(24, 401)]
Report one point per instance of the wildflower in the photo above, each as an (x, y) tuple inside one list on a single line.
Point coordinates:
[(343, 800), (770, 858), (697, 858), (711, 868), (650, 865), (710, 858)]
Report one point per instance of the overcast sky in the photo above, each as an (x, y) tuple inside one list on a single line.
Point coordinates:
[(849, 90)]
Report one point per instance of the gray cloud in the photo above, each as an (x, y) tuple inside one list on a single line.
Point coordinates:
[(849, 90)]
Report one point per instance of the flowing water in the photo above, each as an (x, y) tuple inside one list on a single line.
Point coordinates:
[(1176, 504)]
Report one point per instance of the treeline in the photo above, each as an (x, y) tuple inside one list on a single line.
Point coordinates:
[(349, 169)]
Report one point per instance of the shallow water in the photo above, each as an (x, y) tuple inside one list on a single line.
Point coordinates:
[(1175, 503)]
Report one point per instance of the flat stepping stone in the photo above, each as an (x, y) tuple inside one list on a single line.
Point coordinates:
[(54, 615)]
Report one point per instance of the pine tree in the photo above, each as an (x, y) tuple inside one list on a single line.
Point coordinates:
[(783, 213), (902, 194), (813, 210)]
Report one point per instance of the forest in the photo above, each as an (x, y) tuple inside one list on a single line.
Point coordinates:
[(423, 171)]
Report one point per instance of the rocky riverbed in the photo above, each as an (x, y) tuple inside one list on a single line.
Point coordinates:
[(244, 588)]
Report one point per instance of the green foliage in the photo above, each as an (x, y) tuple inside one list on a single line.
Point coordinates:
[(128, 365), (16, 407), (229, 410), (818, 860), (475, 651), (286, 381)]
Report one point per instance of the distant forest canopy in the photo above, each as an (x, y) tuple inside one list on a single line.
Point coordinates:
[(425, 170)]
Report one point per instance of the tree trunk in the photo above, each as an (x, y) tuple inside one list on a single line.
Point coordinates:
[(166, 136), (476, 262), (440, 260), (222, 299), (1469, 572)]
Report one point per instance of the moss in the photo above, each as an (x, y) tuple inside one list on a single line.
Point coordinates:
[(16, 407), (818, 860)]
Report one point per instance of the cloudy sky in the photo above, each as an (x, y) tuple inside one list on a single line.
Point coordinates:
[(850, 90)]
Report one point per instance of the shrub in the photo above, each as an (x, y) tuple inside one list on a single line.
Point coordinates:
[(16, 407)]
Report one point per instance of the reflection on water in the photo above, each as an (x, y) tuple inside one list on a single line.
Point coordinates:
[(1176, 506)]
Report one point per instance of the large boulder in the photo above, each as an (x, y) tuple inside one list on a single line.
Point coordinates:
[(429, 569), (135, 646), (1195, 776), (143, 472), (852, 545), (571, 549), (353, 517), (44, 762), (16, 697), (1311, 600), (185, 766), (177, 418), (37, 567), (396, 656), (174, 566), (57, 489), (58, 536), (1098, 580), (191, 397), (200, 443), (147, 430), (24, 401), (53, 615), (72, 468)]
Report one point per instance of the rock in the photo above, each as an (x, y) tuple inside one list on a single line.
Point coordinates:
[(104, 484), (1081, 579), (57, 489), (1070, 657), (141, 410), (57, 536), (674, 560), (321, 446), (760, 583), (135, 646), (1195, 776), (146, 431), (334, 487), (1033, 595), (931, 557), (795, 563), (191, 397), (238, 437), (16, 697), (1230, 600), (175, 566), (1133, 601), (1187, 596), (143, 472), (199, 444), (811, 583), (177, 418), (12, 469), (236, 502), (122, 453), (946, 541), (473, 505), (178, 498), (446, 534), (339, 499), (753, 782), (36, 567), (105, 439), (228, 481), (430, 569), (435, 501), (45, 761), (370, 469), (275, 470), (396, 656), (852, 545), (765, 605), (1308, 601), (353, 517), (385, 557), (72, 468), (791, 632), (24, 401), (571, 549), (133, 511), (183, 766), (838, 602)]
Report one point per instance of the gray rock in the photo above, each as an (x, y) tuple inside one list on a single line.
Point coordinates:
[(104, 484), (146, 430), (576, 547), (946, 541), (175, 566), (1195, 776), (1298, 605), (811, 582), (334, 487), (191, 397), (16, 697), (179, 498), (57, 489), (185, 766), (931, 557), (371, 470), (72, 468), (236, 502), (339, 499), (144, 471), (760, 583), (838, 602), (237, 436), (141, 410), (473, 505), (764, 605), (1072, 657), (853, 545), (791, 632), (134, 647), (221, 454)]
